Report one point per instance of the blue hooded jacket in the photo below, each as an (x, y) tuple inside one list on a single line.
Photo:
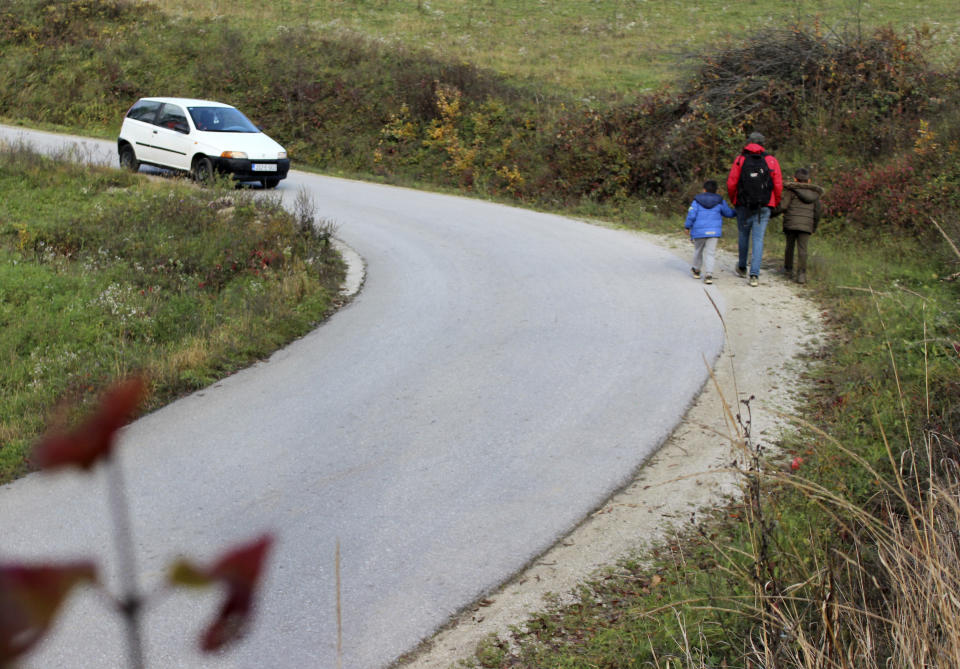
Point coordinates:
[(705, 217)]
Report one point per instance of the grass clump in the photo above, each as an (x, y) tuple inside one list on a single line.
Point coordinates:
[(103, 274)]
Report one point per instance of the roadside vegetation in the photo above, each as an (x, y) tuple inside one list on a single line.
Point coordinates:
[(104, 274), (842, 550)]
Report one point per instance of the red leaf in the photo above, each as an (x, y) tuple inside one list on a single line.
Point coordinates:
[(239, 571), (93, 438), (29, 599), (797, 463)]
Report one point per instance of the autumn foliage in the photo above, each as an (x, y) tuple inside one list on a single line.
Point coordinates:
[(238, 571), (93, 439), (32, 594)]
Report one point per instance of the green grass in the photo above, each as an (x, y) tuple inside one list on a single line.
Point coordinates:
[(589, 47), (103, 273)]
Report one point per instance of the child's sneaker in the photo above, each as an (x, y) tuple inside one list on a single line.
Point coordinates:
[(754, 281), (742, 271), (708, 279), (695, 272)]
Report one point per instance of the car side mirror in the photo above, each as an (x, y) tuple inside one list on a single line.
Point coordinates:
[(182, 128)]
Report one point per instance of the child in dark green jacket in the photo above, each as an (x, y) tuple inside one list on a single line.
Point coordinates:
[(801, 211)]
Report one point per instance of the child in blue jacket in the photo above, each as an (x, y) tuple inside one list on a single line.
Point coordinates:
[(705, 223)]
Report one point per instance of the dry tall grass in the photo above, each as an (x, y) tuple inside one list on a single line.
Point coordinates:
[(883, 590), (886, 596)]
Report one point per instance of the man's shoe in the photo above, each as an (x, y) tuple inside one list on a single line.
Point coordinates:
[(708, 279), (695, 272), (754, 281), (742, 271), (802, 277)]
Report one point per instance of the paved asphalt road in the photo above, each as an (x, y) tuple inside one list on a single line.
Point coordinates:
[(499, 375)]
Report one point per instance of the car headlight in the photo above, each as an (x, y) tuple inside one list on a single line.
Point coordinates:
[(233, 154), (281, 155)]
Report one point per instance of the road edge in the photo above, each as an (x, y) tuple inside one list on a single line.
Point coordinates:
[(356, 268)]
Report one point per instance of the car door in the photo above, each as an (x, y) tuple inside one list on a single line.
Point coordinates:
[(172, 142), (138, 129)]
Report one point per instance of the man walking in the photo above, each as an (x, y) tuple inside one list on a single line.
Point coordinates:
[(754, 185)]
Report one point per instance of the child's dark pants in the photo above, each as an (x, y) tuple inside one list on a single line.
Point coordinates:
[(800, 239)]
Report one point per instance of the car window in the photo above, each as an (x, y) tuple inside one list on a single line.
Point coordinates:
[(144, 110), (221, 119), (172, 117)]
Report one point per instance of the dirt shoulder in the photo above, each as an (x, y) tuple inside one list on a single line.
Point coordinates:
[(768, 328)]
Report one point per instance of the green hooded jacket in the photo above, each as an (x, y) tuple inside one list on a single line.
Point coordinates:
[(800, 206)]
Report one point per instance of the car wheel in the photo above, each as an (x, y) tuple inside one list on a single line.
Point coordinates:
[(270, 183), (202, 170), (128, 159)]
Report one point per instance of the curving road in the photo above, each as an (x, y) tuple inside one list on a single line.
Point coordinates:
[(501, 373)]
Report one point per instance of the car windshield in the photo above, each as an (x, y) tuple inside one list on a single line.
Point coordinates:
[(221, 119)]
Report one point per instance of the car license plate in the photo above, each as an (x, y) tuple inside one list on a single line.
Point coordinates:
[(264, 167)]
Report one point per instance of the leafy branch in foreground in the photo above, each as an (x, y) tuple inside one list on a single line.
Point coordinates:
[(31, 594)]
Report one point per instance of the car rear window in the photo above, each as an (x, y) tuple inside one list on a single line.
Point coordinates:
[(221, 119)]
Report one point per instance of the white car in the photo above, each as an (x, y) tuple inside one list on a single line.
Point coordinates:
[(200, 137)]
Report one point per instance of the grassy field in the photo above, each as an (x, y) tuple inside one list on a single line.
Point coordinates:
[(615, 109), (599, 48), (411, 110), (104, 273)]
